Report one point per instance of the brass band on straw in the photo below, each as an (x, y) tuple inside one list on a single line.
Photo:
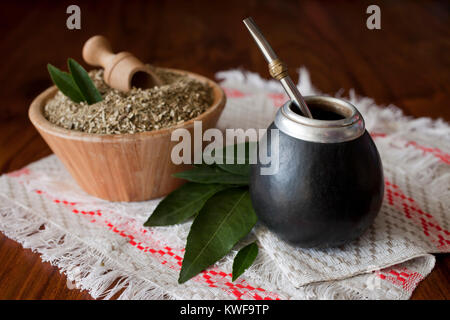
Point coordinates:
[(278, 69)]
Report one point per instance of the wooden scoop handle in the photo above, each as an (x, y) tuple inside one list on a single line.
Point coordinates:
[(97, 51), (121, 70)]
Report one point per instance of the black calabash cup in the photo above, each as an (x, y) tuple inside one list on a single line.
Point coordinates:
[(328, 187)]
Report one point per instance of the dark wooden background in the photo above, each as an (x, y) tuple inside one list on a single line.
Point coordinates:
[(406, 63)]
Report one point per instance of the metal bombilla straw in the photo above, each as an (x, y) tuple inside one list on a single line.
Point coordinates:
[(278, 69)]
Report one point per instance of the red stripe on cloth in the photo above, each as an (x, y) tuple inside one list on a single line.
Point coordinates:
[(18, 173), (406, 279), (428, 224), (444, 157), (278, 99), (215, 277), (403, 278), (436, 152), (233, 93)]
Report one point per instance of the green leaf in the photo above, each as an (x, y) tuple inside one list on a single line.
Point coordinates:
[(226, 218), (237, 164), (65, 83), (212, 174), (244, 259), (84, 82), (183, 203), (240, 169)]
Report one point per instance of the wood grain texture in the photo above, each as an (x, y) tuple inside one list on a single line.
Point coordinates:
[(406, 63), (125, 167)]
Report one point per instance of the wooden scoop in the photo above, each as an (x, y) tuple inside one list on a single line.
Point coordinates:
[(122, 70)]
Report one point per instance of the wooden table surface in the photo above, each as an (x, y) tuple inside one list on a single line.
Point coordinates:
[(406, 63)]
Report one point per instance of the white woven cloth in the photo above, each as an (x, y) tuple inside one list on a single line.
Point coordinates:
[(102, 246)]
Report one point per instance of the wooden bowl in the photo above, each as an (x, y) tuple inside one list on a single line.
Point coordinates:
[(122, 167)]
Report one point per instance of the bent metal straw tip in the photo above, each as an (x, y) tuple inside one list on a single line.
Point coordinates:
[(278, 69)]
